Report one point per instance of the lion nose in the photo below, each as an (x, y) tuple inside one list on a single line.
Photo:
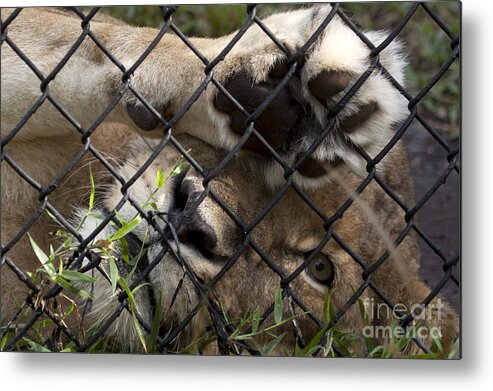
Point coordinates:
[(198, 233), (191, 225)]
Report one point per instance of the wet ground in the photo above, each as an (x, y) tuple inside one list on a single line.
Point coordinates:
[(439, 218)]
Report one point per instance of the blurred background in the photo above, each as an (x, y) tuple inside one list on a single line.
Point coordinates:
[(427, 47)]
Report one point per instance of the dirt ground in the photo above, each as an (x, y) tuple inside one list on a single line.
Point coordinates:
[(440, 216)]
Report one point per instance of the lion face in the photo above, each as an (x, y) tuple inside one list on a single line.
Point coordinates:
[(220, 247)]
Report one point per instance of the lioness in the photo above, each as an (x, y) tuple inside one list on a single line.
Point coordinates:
[(204, 260)]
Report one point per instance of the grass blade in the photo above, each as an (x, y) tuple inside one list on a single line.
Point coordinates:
[(156, 324), (71, 275), (127, 227), (43, 258), (114, 275), (278, 306)]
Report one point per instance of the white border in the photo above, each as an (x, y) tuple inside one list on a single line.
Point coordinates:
[(80, 371)]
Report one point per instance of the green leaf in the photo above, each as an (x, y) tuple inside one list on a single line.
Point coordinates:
[(124, 250), (68, 242), (42, 324), (68, 311), (159, 178), (375, 352), (236, 335), (36, 346), (130, 297), (127, 226), (39, 253), (119, 218), (278, 306), (454, 353), (138, 329), (140, 286), (437, 342), (307, 352), (179, 168), (114, 275), (314, 344), (362, 310), (93, 190), (72, 289), (70, 349), (255, 319), (97, 215), (4, 342), (424, 356), (72, 275), (269, 348), (60, 269), (328, 310), (156, 324), (43, 258), (91, 199), (52, 216)]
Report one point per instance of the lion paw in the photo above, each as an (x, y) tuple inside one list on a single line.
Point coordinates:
[(300, 111)]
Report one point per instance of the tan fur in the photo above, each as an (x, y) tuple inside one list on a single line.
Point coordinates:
[(89, 80), (87, 83), (287, 233)]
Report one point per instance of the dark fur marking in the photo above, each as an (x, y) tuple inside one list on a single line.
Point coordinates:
[(350, 124), (311, 169), (328, 83), (275, 122)]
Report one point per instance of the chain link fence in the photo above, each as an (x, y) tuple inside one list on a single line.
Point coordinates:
[(19, 328)]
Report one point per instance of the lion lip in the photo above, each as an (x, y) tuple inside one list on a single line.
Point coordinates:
[(219, 259), (208, 256), (190, 252)]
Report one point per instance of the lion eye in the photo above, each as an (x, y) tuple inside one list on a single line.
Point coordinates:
[(321, 269)]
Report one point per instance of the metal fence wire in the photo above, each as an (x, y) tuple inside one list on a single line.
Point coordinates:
[(11, 336)]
